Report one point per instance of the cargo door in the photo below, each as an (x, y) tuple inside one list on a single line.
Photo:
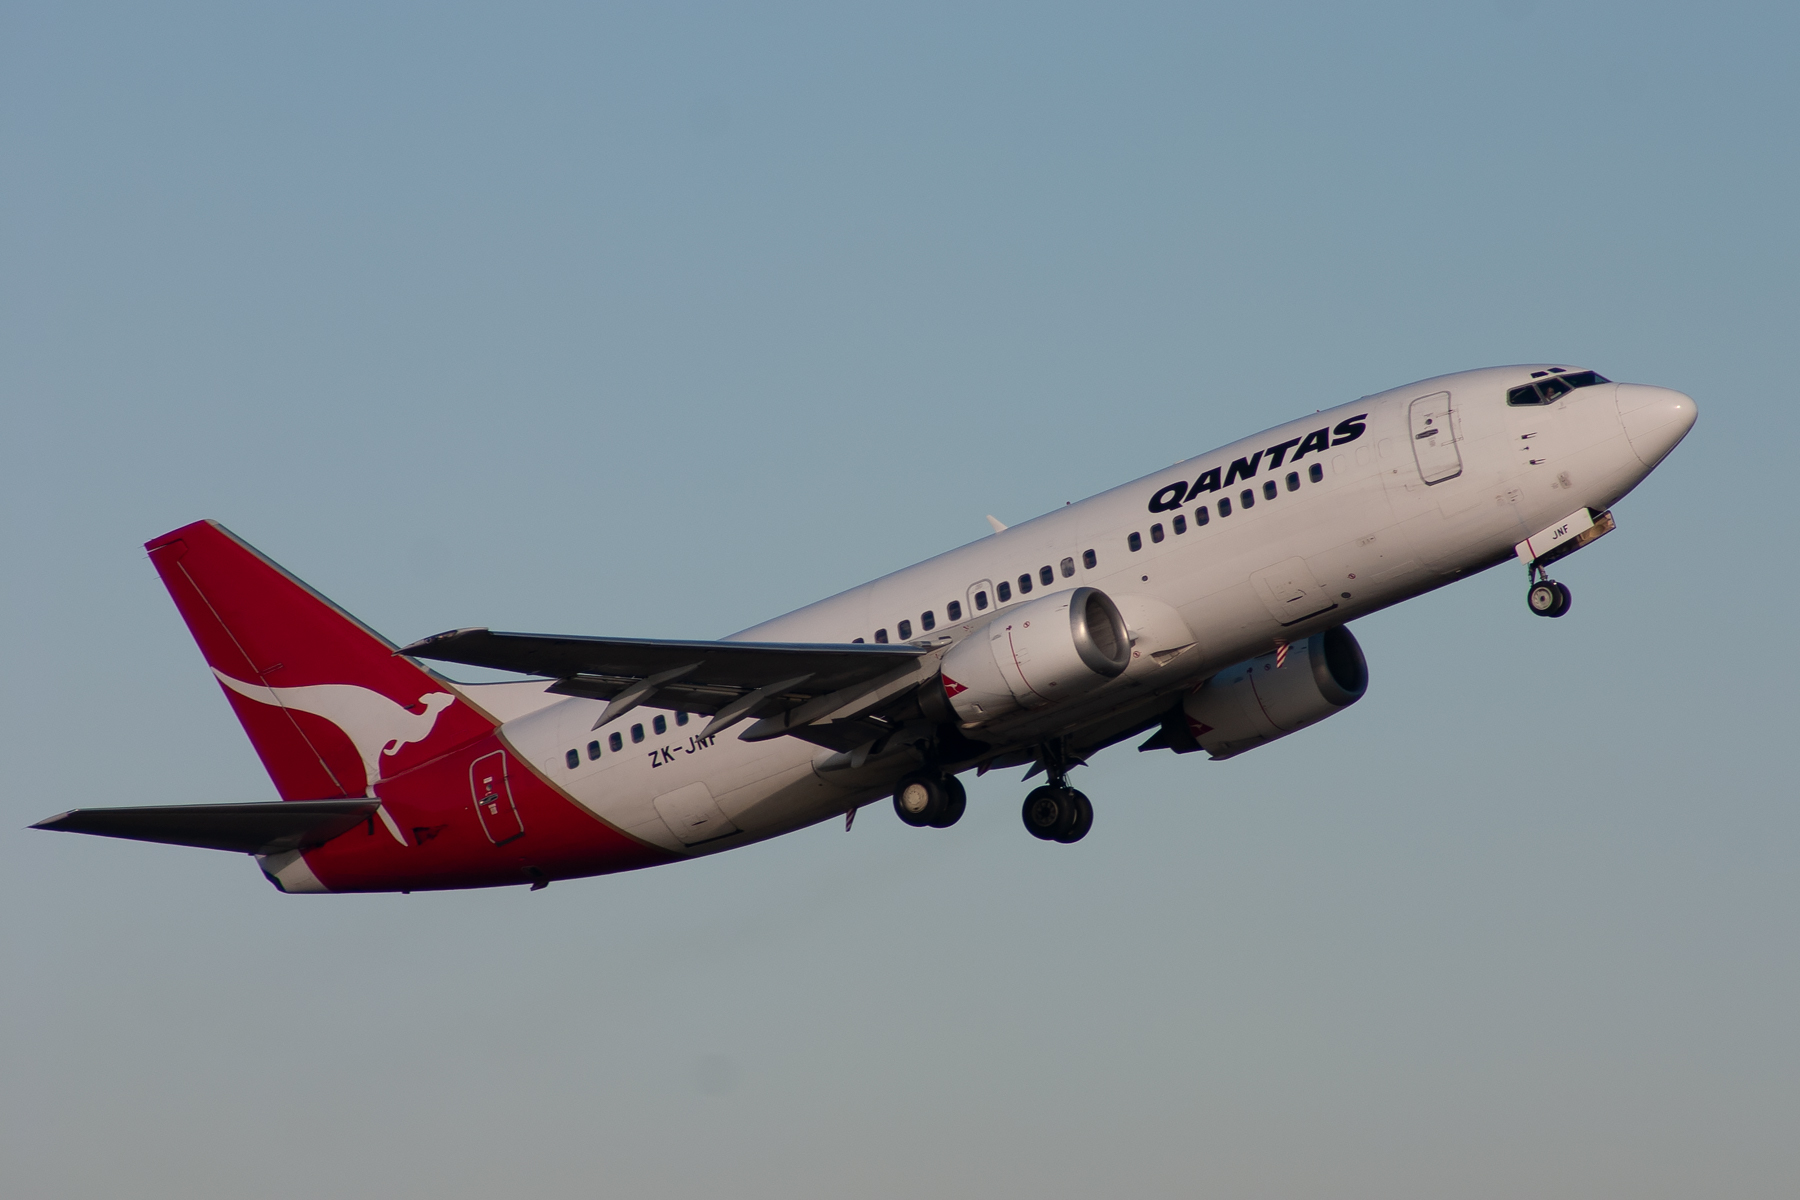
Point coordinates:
[(1291, 592), (1434, 438), (692, 815), (493, 799)]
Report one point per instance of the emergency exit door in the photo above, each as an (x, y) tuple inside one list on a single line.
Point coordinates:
[(493, 799), (1434, 438)]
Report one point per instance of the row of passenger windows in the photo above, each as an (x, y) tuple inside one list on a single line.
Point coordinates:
[(1246, 498), (616, 741), (1003, 593)]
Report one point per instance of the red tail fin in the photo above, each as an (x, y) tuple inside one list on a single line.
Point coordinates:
[(327, 703)]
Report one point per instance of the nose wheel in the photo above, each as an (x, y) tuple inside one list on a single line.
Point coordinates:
[(1548, 598)]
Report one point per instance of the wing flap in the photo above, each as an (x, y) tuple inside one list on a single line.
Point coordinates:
[(244, 828)]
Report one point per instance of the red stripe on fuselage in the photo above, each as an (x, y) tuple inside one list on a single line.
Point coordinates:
[(447, 846)]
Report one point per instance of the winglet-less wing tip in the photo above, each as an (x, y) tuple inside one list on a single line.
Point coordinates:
[(436, 638)]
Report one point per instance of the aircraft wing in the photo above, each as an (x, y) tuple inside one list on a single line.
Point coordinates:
[(245, 828), (731, 680)]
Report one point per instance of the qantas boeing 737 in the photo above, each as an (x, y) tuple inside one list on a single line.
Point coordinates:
[(1203, 607)]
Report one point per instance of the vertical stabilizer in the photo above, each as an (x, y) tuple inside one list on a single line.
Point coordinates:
[(327, 703)]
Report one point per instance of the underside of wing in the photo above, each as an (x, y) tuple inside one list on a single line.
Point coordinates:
[(245, 828), (732, 681)]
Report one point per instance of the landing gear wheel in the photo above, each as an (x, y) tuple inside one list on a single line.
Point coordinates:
[(921, 800), (1084, 817), (1549, 598), (1052, 813), (956, 799)]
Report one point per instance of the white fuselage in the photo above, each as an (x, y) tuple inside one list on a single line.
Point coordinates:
[(1368, 533)]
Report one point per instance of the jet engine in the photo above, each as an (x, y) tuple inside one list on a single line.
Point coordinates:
[(1042, 653), (1257, 701)]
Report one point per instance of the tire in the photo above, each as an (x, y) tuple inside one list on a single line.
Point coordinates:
[(920, 800), (1084, 818), (955, 801), (1545, 598), (1564, 600), (1050, 813)]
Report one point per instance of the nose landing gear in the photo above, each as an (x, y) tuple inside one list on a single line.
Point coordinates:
[(1549, 598)]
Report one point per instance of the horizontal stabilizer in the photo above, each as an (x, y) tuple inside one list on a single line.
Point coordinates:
[(245, 828)]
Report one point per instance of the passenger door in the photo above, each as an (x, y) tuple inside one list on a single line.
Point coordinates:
[(493, 799), (1434, 438)]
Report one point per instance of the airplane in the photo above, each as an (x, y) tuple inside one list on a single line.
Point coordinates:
[(1206, 605)]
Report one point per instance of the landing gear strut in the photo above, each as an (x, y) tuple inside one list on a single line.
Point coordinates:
[(1547, 597), (1057, 812), (930, 800)]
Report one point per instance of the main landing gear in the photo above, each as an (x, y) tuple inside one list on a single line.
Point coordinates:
[(930, 800), (1547, 597), (1057, 812)]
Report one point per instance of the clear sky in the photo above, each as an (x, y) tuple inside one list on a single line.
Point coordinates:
[(665, 319)]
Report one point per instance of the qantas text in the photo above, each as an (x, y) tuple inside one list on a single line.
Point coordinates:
[(1176, 494)]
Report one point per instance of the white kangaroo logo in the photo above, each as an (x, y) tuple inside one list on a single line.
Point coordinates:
[(374, 724)]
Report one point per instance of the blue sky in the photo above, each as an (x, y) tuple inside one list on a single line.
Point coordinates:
[(663, 321)]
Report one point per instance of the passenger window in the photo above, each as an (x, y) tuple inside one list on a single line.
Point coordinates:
[(1068, 567), (881, 636), (1269, 489), (1156, 532), (905, 630), (1134, 543), (953, 610), (1046, 575), (681, 718), (1024, 585), (928, 621), (1089, 559), (1553, 389), (980, 601), (593, 751), (856, 641), (1247, 498), (573, 759), (1180, 523), (637, 734), (661, 725), (1004, 591), (1224, 506), (1316, 473), (617, 743), (1200, 516)]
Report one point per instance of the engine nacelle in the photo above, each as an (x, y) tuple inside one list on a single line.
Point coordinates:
[(1042, 653), (1255, 702)]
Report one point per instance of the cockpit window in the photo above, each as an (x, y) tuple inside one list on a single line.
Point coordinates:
[(1547, 391)]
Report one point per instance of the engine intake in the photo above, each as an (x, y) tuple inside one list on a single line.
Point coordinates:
[(1255, 702), (1046, 652)]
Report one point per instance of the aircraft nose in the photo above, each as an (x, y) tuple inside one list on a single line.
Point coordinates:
[(1655, 419)]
